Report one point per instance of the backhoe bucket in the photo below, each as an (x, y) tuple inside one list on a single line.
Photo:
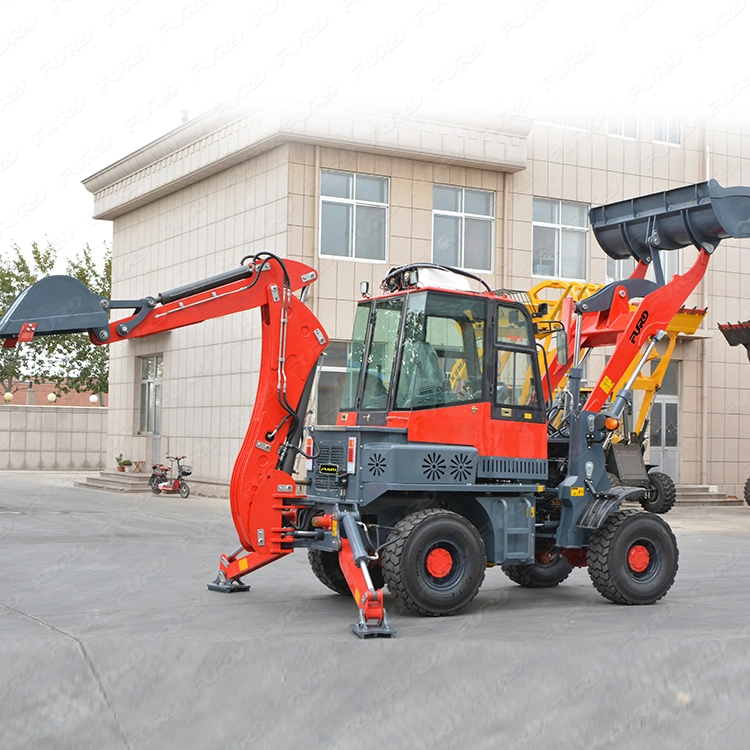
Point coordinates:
[(700, 215), (55, 304), (736, 333)]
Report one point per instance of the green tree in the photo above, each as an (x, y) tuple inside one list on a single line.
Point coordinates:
[(71, 361), (15, 276)]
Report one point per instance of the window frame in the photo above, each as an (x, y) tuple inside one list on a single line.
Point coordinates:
[(150, 388), (514, 412), (354, 202), (463, 215), (339, 369), (558, 247), (620, 116), (664, 119)]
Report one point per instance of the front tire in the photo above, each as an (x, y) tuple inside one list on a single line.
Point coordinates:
[(436, 562), (545, 573), (184, 490), (662, 495), (747, 492), (633, 558)]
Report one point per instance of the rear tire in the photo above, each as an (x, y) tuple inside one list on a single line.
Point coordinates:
[(633, 558), (436, 562), (154, 484), (184, 490), (543, 574), (662, 495), (747, 492), (326, 567)]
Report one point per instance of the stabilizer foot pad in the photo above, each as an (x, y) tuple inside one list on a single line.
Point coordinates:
[(227, 587), (372, 631)]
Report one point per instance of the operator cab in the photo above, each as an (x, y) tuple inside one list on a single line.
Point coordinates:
[(458, 358)]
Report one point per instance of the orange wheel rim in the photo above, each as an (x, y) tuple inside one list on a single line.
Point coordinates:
[(638, 558), (439, 562)]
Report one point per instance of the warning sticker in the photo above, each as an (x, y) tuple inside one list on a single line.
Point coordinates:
[(576, 492), (607, 384)]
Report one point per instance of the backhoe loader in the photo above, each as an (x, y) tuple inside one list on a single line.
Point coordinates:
[(422, 484)]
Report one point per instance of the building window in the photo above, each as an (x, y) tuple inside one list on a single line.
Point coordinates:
[(331, 379), (668, 129), (353, 215), (560, 241), (463, 227), (622, 124), (150, 411), (617, 270)]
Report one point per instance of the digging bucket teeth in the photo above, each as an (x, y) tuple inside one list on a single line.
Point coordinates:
[(736, 333), (55, 304), (700, 215)]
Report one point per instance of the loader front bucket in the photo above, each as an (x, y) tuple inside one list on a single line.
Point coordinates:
[(736, 334), (700, 215), (55, 304)]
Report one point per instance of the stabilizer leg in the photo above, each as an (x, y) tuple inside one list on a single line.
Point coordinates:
[(232, 568), (353, 560)]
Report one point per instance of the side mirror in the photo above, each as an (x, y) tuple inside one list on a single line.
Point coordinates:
[(561, 341)]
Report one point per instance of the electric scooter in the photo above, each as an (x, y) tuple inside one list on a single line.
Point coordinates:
[(162, 481)]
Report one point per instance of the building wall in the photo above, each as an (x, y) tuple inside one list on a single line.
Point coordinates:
[(64, 438), (590, 167), (271, 201), (210, 370)]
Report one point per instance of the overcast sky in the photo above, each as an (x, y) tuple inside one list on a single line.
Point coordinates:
[(84, 83)]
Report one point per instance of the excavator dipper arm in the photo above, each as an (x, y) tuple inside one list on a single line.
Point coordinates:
[(263, 494)]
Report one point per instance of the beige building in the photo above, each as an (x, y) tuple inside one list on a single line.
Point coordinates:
[(355, 193)]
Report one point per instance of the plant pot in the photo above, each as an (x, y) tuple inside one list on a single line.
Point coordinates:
[(120, 468)]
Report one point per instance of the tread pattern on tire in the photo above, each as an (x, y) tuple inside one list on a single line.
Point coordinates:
[(321, 568), (392, 553), (746, 492), (526, 575), (598, 557), (669, 495), (331, 575)]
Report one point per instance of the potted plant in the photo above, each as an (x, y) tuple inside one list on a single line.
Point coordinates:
[(122, 462)]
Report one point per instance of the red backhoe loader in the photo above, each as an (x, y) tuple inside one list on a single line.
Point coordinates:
[(423, 483)]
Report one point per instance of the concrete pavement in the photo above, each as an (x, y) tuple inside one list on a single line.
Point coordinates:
[(109, 638)]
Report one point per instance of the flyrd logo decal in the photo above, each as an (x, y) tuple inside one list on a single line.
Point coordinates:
[(638, 326)]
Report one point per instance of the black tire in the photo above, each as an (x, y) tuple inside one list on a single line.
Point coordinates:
[(424, 545), (184, 490), (662, 495), (614, 480), (154, 484), (326, 567), (545, 573), (633, 558), (747, 492)]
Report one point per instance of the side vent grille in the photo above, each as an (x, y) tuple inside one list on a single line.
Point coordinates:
[(433, 466), (461, 467), (376, 464), (329, 454), (491, 467)]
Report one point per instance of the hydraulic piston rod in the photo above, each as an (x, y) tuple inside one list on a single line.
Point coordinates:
[(626, 392)]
